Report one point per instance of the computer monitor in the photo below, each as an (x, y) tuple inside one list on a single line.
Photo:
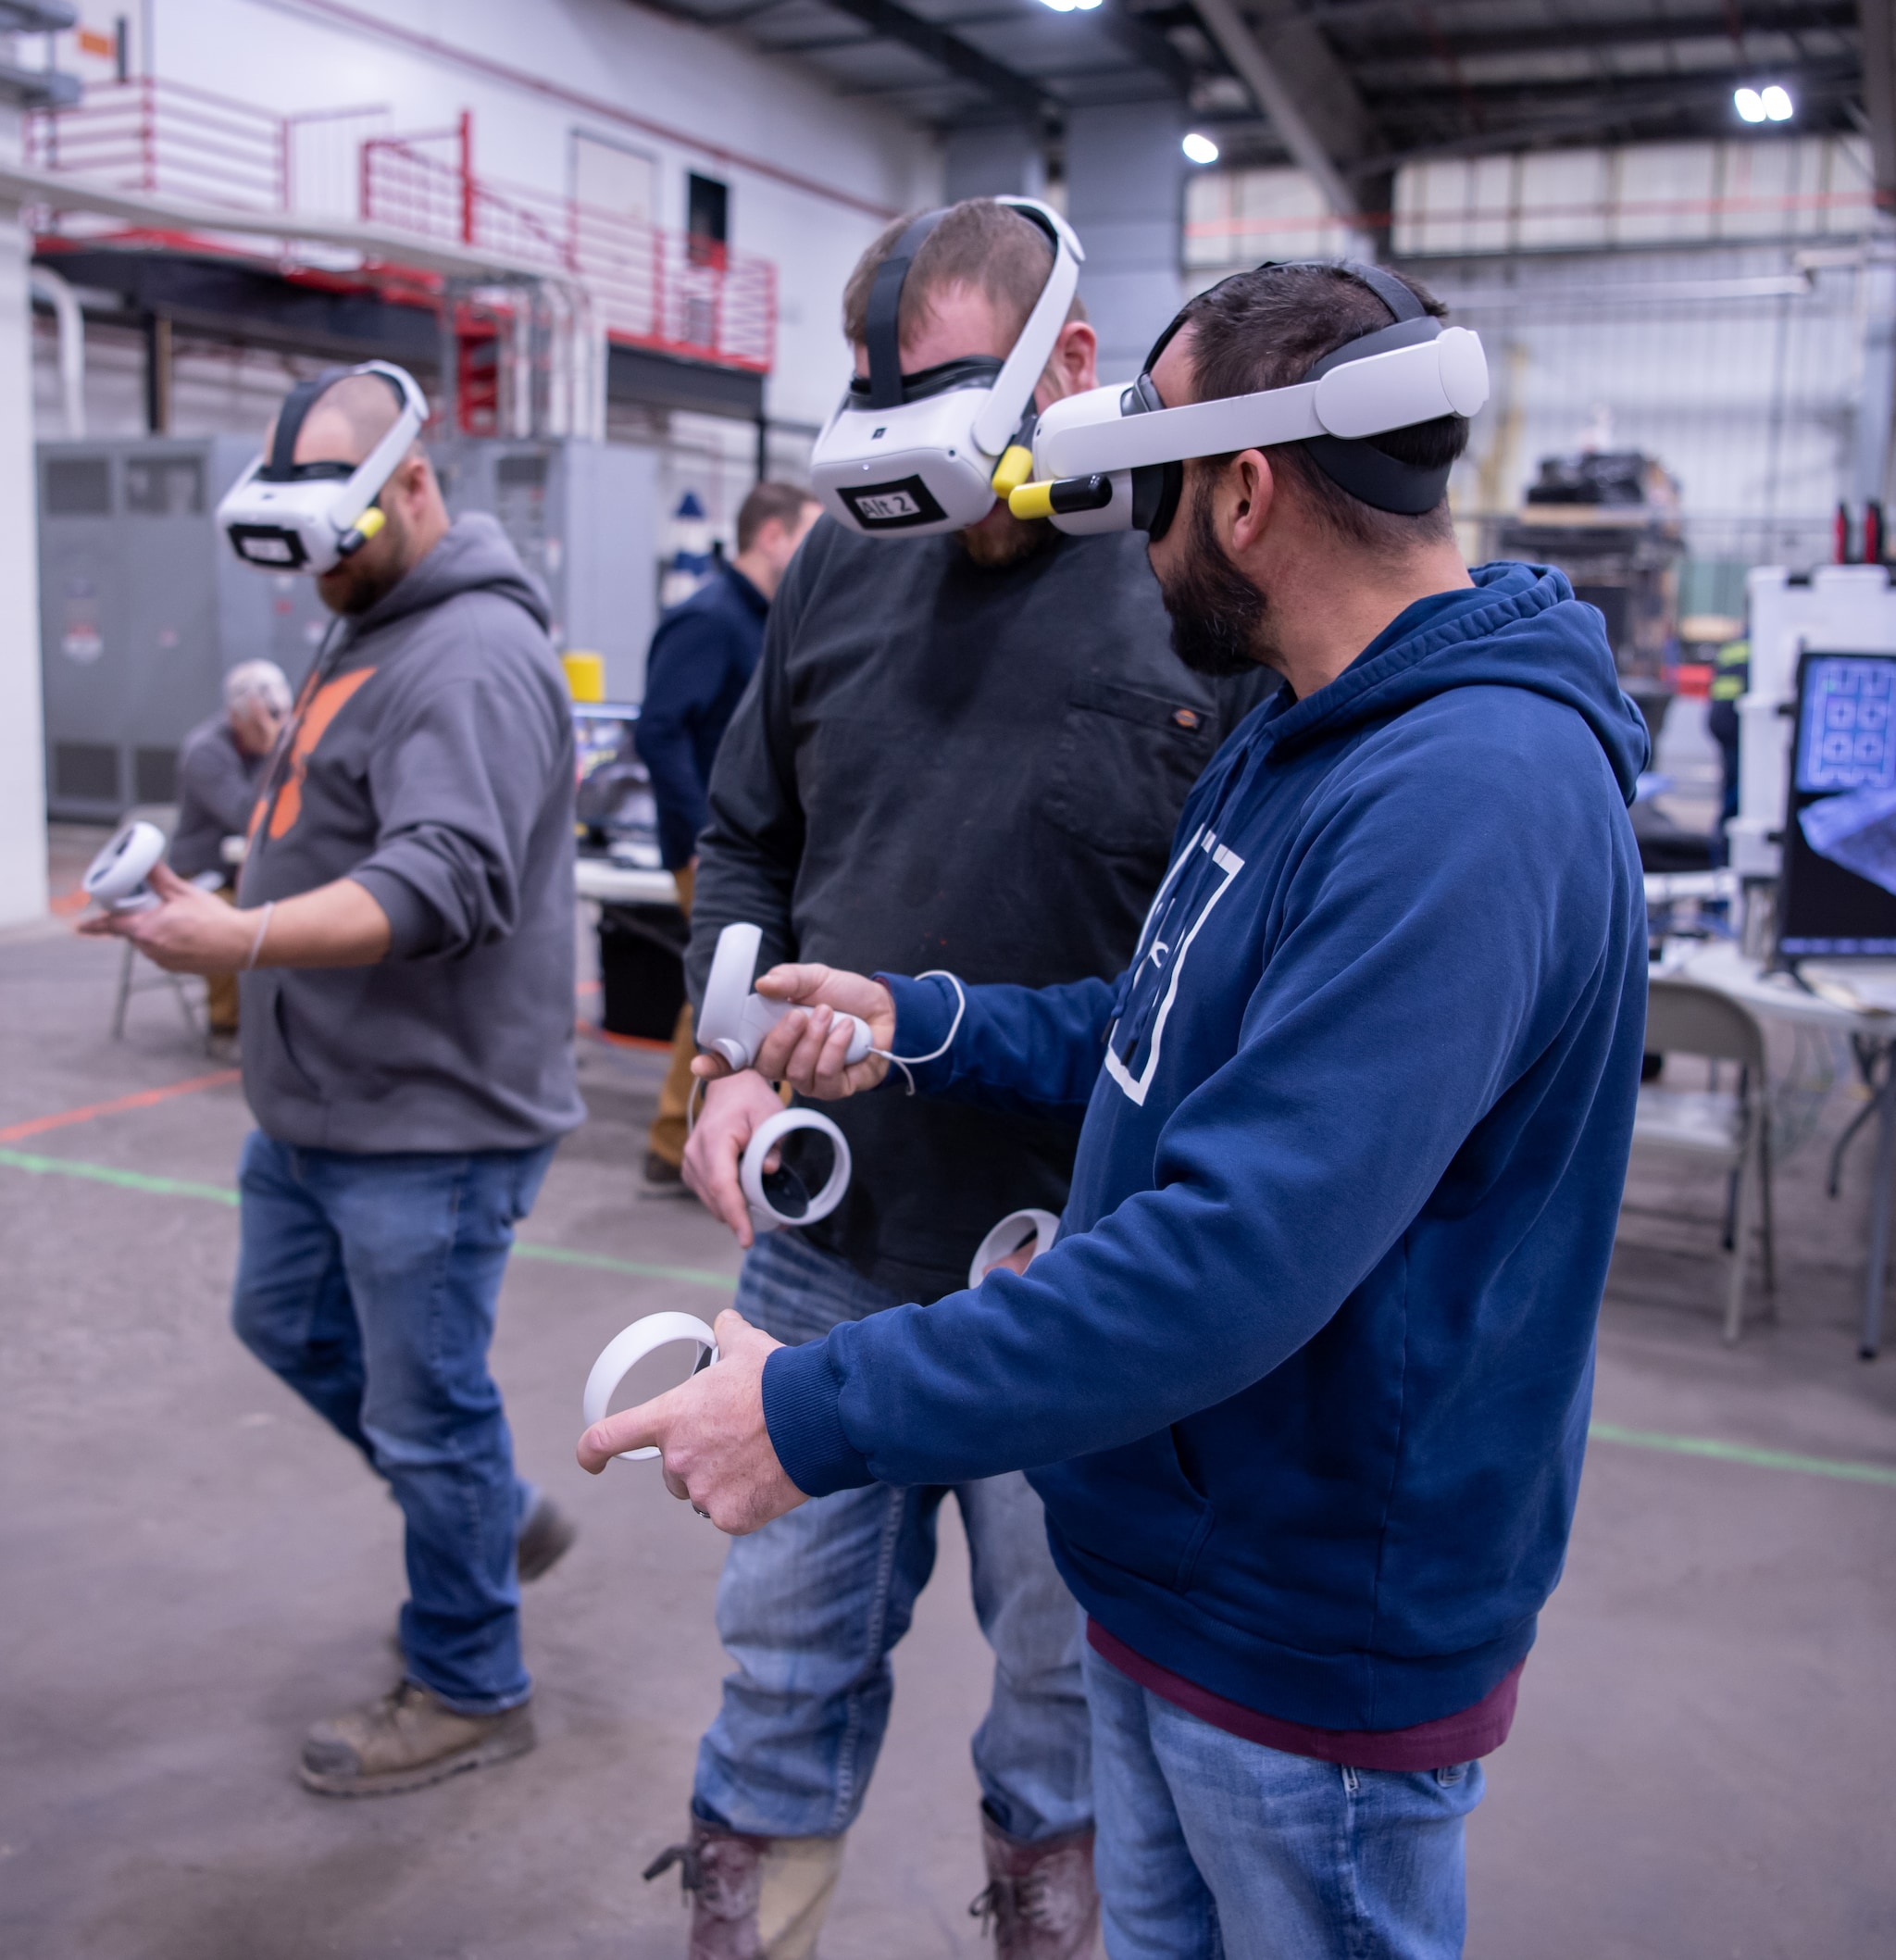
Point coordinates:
[(1837, 893), (615, 807)]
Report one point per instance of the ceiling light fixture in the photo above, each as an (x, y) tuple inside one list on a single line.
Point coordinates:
[(1770, 104), (1071, 7), (1200, 149)]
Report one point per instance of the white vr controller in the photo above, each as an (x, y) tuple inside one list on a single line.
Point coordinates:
[(733, 1019), (1009, 1236), (116, 878), (624, 1351)]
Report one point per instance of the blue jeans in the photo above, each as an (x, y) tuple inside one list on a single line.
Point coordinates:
[(369, 1285), (1213, 1848), (811, 1606)]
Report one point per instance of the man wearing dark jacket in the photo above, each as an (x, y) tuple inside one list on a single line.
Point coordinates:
[(1305, 1382), (967, 748), (701, 661), (405, 933)]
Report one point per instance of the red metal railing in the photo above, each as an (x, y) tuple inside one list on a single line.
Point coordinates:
[(653, 288), (650, 288)]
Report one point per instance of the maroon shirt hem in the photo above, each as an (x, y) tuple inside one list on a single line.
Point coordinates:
[(1450, 1738)]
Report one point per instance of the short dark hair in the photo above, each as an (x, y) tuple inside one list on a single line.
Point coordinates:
[(783, 500), (980, 243), (1267, 328)]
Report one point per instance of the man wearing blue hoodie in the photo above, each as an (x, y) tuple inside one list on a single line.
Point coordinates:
[(1305, 1383)]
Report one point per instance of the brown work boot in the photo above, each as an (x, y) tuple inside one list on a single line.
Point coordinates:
[(544, 1540), (753, 1898), (1040, 1903), (407, 1739)]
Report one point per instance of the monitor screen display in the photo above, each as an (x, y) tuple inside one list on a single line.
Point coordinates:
[(615, 806), (1838, 894)]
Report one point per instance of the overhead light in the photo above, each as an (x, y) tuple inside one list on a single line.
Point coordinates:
[(1200, 149), (1071, 7), (1770, 104)]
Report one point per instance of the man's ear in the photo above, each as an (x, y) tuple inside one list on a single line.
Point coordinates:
[(1248, 499), (1073, 366)]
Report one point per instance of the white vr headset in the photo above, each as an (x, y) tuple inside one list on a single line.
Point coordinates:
[(913, 455), (1113, 458), (285, 516)]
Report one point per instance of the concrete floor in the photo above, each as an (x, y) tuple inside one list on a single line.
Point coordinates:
[(194, 1569)]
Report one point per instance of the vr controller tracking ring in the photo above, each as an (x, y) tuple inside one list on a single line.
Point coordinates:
[(627, 1349), (1008, 1236), (764, 1140)]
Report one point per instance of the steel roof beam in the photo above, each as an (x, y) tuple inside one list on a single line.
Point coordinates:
[(1381, 50), (950, 53), (1301, 85), (1879, 94)]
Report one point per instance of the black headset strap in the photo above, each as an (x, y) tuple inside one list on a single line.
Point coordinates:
[(291, 417), (881, 328)]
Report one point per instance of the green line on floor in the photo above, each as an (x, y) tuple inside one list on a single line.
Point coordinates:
[(1741, 1453), (124, 1179), (226, 1194), (638, 1269)]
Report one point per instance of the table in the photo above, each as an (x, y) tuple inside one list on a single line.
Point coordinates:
[(616, 884), (1854, 997)]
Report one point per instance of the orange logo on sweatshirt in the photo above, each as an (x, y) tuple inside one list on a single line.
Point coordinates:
[(312, 724)]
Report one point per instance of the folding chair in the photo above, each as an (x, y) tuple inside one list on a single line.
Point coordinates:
[(1728, 1128)]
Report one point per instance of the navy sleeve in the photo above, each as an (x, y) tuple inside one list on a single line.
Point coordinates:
[(686, 669), (1425, 958), (1028, 1051)]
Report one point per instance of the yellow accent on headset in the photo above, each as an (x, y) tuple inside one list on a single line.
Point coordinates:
[(1031, 500), (370, 522), (1014, 469)]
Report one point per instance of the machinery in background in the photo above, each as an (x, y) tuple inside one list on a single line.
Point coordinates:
[(144, 606), (1610, 519)]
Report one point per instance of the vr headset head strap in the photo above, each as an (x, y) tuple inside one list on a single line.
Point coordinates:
[(279, 466), (885, 312)]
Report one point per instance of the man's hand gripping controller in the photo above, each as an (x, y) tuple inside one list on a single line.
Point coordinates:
[(735, 1018)]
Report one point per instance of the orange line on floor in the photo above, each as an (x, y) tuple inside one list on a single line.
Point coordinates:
[(63, 904), (143, 1099)]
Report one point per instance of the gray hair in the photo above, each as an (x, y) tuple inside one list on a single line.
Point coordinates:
[(257, 681)]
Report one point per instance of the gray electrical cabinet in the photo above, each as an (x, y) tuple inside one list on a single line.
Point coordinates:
[(143, 606), (142, 609), (585, 518)]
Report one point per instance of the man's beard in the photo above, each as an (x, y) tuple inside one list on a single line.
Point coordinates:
[(352, 588), (1005, 538), (1218, 617)]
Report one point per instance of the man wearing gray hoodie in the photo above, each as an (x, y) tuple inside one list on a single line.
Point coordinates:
[(403, 930)]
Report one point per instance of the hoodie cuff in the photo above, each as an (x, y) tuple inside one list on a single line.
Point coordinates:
[(924, 1013), (414, 927), (800, 1398)]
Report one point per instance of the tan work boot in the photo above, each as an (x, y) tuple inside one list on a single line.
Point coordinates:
[(407, 1739), (753, 1898), (1040, 1903)]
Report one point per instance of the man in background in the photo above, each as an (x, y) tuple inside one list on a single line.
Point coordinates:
[(218, 768), (405, 933), (702, 658)]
